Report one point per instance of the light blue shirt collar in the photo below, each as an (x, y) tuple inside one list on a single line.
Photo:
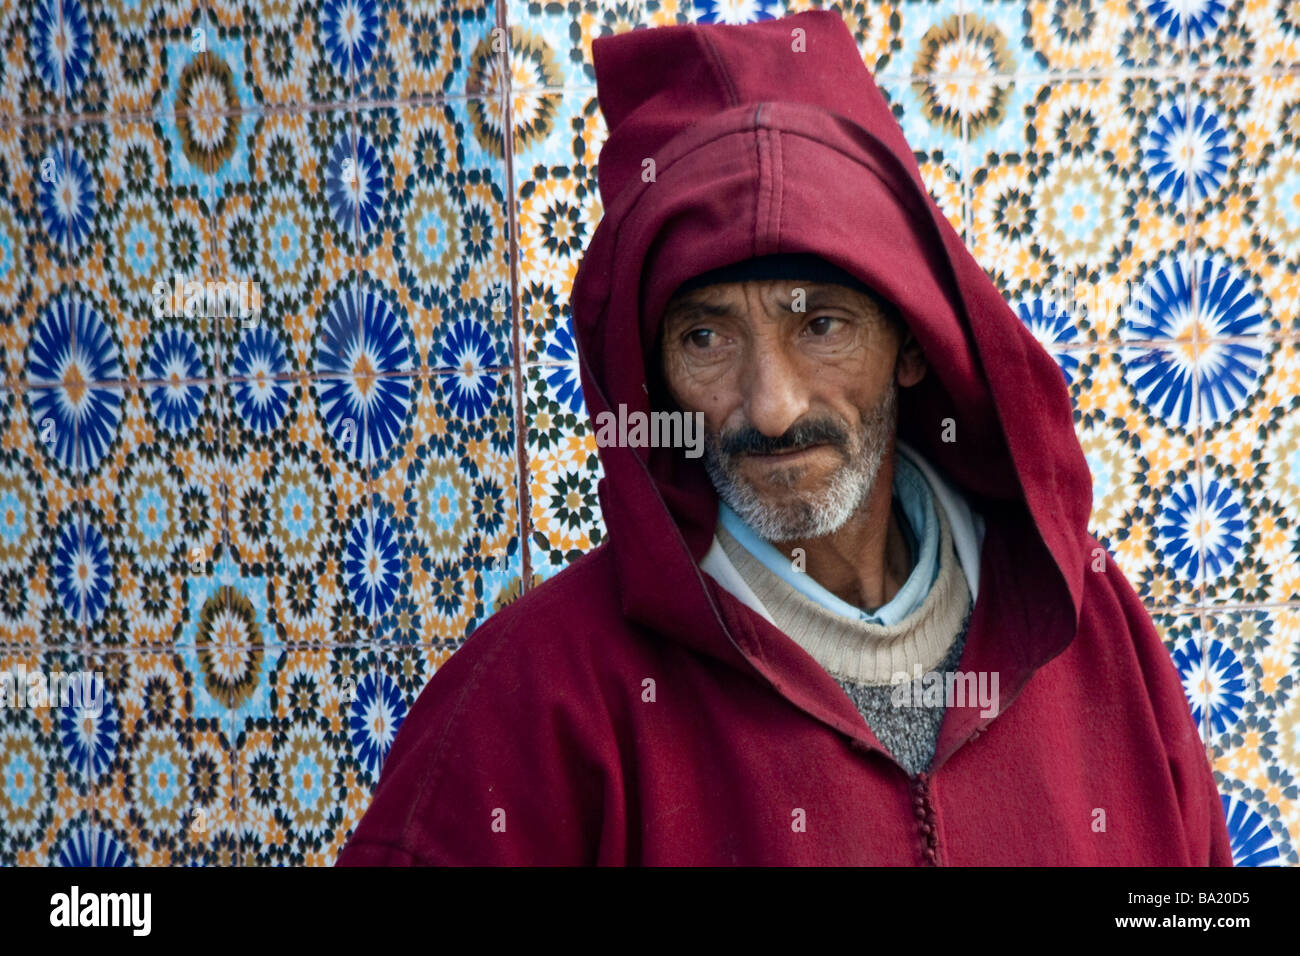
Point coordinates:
[(913, 494)]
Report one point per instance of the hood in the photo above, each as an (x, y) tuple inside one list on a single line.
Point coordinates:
[(772, 137)]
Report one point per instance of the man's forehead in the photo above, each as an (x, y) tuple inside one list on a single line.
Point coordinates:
[(720, 295)]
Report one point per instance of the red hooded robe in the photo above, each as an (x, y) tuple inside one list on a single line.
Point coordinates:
[(632, 711)]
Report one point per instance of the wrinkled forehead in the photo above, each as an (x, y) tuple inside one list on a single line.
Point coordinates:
[(783, 296)]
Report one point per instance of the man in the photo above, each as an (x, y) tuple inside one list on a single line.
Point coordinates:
[(869, 625)]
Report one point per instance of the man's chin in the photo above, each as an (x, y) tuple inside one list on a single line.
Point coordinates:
[(802, 511), (780, 503), (790, 509), (785, 524)]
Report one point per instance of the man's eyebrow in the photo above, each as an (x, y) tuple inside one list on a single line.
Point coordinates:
[(698, 308)]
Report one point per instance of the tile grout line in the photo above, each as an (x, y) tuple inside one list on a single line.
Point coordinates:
[(524, 518), (358, 279), (297, 105), (423, 373), (156, 648), (426, 373), (967, 218), (1191, 231), (79, 482), (886, 77), (225, 543)]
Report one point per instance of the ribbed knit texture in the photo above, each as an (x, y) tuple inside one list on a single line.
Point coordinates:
[(863, 657), (909, 733)]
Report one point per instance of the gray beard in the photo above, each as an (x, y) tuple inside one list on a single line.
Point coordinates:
[(821, 513)]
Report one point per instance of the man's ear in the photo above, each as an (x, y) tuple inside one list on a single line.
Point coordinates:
[(910, 367)]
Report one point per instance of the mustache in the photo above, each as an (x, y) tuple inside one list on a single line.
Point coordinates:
[(748, 440)]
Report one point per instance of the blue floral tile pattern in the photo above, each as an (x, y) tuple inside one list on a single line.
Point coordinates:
[(46, 794), (290, 399), (165, 798), (1254, 723), (304, 768)]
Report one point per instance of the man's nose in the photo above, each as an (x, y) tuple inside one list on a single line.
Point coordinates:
[(776, 394)]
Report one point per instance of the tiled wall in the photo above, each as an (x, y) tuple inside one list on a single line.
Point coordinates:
[(266, 532)]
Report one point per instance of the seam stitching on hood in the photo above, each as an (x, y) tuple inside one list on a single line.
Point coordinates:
[(769, 197), (719, 67), (906, 197), (624, 215), (778, 180)]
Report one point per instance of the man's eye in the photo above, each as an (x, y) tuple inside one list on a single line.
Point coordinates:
[(700, 338), (824, 324)]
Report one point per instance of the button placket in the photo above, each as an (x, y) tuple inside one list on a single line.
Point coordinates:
[(927, 825)]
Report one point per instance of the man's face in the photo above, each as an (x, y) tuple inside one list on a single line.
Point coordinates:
[(800, 407)]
